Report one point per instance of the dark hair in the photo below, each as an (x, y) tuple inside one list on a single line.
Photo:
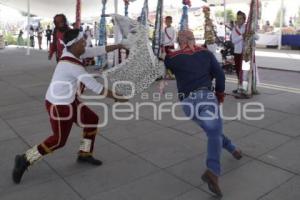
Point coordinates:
[(242, 14), (70, 35), (169, 17), (60, 15)]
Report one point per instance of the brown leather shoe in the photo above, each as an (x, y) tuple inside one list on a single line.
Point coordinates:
[(237, 154), (212, 182)]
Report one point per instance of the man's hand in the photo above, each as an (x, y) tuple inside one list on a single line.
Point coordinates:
[(220, 96)]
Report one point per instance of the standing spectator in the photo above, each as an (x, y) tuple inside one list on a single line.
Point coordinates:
[(237, 37), (89, 36), (40, 31), (48, 35), (31, 36), (20, 39), (96, 33), (168, 36), (61, 26)]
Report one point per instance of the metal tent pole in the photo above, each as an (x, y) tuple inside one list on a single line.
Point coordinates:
[(28, 27)]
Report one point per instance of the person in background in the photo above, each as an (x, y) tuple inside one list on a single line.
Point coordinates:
[(168, 41), (61, 26), (96, 33), (48, 35), (20, 41), (168, 36), (31, 36), (237, 38), (40, 32), (89, 36)]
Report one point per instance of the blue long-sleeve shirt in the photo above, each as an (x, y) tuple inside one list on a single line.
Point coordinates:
[(195, 69)]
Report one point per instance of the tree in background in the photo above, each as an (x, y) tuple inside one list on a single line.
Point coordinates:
[(297, 22), (277, 20), (230, 16)]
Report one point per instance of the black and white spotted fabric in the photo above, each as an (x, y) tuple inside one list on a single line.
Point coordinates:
[(141, 69)]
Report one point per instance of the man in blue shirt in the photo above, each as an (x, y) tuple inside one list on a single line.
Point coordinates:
[(195, 68)]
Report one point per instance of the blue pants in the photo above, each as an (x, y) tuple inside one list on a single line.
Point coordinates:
[(203, 108)]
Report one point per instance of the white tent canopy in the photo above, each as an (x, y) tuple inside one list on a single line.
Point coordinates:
[(48, 8)]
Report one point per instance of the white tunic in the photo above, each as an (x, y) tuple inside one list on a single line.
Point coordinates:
[(168, 36), (237, 39), (67, 77)]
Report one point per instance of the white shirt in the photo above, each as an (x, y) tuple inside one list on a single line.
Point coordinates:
[(220, 30), (67, 77), (89, 38), (238, 39), (168, 36)]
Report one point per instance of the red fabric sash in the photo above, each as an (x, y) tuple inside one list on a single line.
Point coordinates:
[(170, 38), (75, 61), (72, 60)]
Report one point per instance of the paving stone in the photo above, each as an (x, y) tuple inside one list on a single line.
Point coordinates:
[(158, 186), (131, 130), (251, 181), (189, 127), (21, 110), (47, 191), (64, 160), (36, 174), (286, 156), (290, 126), (270, 117), (110, 176), (160, 139), (6, 132), (286, 102), (287, 191), (194, 194), (191, 170), (261, 142)]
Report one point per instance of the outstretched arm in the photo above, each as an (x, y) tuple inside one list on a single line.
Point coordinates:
[(101, 50)]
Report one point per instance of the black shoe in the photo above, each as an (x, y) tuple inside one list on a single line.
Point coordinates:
[(21, 164), (89, 159)]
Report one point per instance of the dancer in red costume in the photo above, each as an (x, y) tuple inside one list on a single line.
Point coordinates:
[(64, 107), (61, 26)]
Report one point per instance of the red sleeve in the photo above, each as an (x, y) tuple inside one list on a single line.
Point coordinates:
[(52, 50)]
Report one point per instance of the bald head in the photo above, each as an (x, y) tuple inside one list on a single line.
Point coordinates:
[(186, 38)]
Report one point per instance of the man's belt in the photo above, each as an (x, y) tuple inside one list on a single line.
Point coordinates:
[(203, 88)]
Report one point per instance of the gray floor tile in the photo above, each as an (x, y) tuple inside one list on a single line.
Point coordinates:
[(6, 132), (270, 117), (128, 131), (194, 194), (158, 186), (37, 174), (47, 191), (287, 191), (251, 181), (191, 170), (110, 176), (261, 142), (289, 126), (287, 156)]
